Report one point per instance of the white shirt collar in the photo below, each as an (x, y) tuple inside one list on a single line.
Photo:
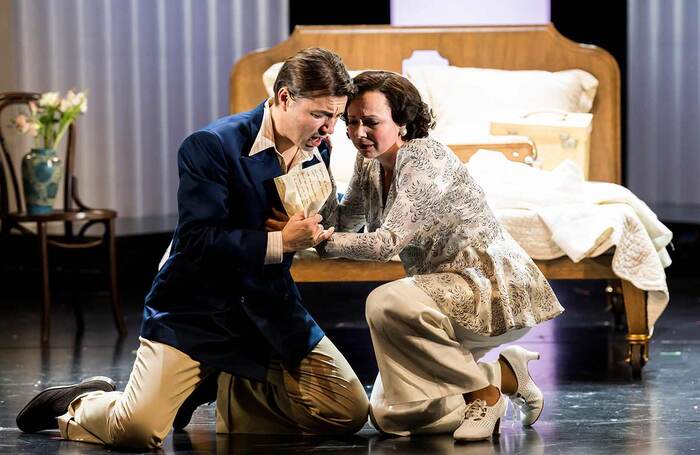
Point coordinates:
[(266, 136)]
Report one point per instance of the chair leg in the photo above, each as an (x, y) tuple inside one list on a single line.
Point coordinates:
[(637, 327), (112, 272), (4, 243), (76, 300), (45, 292)]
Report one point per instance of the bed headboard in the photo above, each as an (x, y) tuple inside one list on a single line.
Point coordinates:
[(505, 47)]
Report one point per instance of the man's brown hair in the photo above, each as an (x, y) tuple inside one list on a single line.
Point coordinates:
[(314, 72)]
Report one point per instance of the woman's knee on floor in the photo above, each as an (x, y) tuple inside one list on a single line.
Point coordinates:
[(380, 420)]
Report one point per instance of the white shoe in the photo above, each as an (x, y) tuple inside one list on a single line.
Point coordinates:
[(481, 421), (528, 398)]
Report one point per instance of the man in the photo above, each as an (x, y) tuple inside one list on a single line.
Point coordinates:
[(224, 300)]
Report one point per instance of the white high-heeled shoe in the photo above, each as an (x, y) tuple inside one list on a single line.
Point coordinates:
[(528, 398), (481, 421)]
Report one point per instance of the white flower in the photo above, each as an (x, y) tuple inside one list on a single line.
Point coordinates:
[(50, 99), (68, 102), (81, 100), (51, 116), (65, 105), (74, 100)]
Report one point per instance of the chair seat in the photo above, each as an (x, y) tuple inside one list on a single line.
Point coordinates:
[(65, 215)]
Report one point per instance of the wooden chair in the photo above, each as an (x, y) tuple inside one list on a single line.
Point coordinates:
[(13, 218)]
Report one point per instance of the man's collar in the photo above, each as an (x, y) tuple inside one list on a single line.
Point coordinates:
[(266, 135)]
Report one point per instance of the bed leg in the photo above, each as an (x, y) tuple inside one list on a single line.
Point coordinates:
[(637, 327), (616, 305)]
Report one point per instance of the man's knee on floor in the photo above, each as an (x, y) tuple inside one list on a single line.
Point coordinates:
[(357, 415), (344, 414), (349, 421), (136, 434)]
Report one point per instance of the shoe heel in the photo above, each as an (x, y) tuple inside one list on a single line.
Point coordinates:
[(497, 428), (512, 412), (530, 355), (517, 415)]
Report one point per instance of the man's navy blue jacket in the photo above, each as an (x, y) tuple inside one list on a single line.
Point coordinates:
[(214, 299)]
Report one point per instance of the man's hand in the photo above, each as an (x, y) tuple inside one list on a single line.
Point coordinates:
[(278, 222), (300, 233)]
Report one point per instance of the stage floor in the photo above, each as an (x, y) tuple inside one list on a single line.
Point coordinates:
[(592, 404)]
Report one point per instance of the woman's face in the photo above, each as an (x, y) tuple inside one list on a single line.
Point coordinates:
[(370, 126)]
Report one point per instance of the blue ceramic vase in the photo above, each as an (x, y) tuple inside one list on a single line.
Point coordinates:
[(41, 173)]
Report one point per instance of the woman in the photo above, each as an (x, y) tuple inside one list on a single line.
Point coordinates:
[(470, 287)]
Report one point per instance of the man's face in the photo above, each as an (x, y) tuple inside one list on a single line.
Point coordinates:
[(309, 120)]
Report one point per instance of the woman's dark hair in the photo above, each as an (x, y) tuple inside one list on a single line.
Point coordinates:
[(314, 72), (407, 107)]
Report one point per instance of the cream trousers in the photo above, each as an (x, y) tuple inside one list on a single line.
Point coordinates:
[(426, 361), (321, 395)]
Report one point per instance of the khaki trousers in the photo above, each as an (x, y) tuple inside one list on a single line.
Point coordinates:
[(320, 396), (163, 377), (426, 361)]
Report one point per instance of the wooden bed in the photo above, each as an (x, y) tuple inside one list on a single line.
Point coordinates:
[(505, 47)]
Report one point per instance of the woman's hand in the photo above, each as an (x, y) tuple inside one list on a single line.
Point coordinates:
[(300, 233)]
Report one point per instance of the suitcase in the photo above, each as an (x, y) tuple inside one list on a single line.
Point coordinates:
[(557, 135)]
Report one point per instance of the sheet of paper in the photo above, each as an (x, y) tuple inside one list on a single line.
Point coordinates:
[(304, 190)]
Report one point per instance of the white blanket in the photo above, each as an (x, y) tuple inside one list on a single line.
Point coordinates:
[(584, 219)]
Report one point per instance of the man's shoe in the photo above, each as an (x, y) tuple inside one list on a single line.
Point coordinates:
[(203, 394), (42, 410)]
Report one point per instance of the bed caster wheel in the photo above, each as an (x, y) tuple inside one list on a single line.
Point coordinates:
[(637, 359)]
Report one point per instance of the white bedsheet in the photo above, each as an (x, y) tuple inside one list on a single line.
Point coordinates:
[(556, 213)]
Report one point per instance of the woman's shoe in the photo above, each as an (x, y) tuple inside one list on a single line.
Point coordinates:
[(528, 398), (481, 421)]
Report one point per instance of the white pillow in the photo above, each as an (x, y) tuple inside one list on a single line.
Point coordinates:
[(343, 156), (344, 153), (465, 100), (269, 77)]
